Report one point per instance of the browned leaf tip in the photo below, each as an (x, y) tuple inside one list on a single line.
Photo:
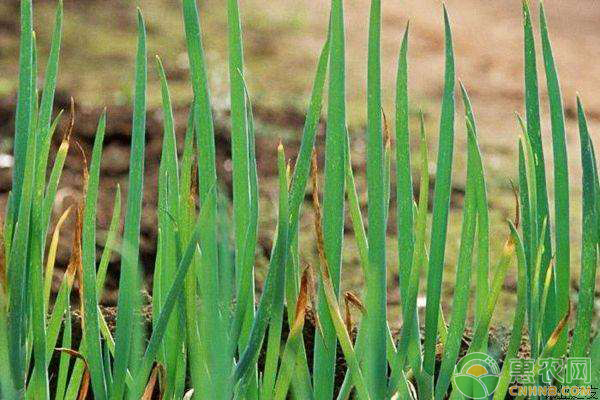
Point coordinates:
[(558, 330), (85, 381), (84, 169), (67, 134), (302, 302), (75, 267), (312, 296), (350, 299), (72, 353), (158, 369), (347, 316), (354, 300), (517, 204), (310, 283), (317, 211), (85, 385), (386, 131)]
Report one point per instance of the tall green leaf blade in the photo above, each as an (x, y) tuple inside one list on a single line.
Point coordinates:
[(110, 244), (375, 363), (419, 259), (45, 113), (245, 281), (35, 299), (168, 204), (329, 292), (519, 318), (561, 182), (360, 237), (92, 330), (274, 338), (273, 282), (311, 124), (34, 335), (160, 327), (535, 247), (210, 318), (483, 220), (529, 227), (460, 302), (297, 190), (18, 227), (239, 138), (169, 148), (404, 185), (269, 299), (441, 205), (196, 354), (7, 387), (360, 234), (18, 267), (589, 232), (25, 94), (45, 129), (532, 108), (405, 208), (131, 236), (333, 199), (244, 260)]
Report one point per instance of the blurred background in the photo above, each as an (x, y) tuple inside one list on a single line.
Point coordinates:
[(282, 42)]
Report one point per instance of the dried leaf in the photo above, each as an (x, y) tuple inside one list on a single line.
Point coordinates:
[(558, 330), (75, 264), (517, 205), (84, 170), (51, 258), (317, 210), (67, 134), (347, 316), (85, 380), (386, 130), (318, 230), (85, 385), (158, 369), (354, 300), (302, 301)]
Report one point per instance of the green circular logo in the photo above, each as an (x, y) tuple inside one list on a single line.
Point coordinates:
[(476, 376)]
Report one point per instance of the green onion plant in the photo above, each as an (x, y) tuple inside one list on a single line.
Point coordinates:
[(208, 327)]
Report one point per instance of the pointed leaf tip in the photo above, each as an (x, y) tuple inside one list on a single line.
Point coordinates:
[(140, 18)]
